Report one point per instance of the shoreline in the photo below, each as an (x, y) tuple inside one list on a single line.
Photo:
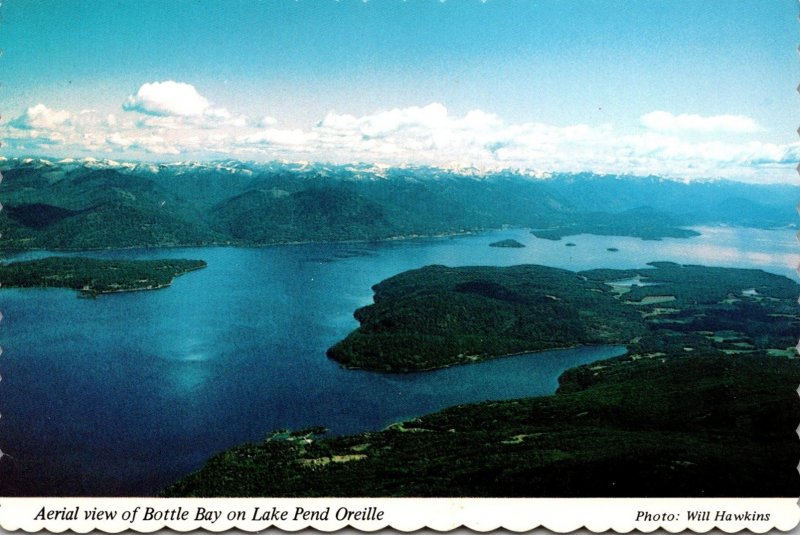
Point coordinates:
[(257, 245), (479, 360), (400, 238), (92, 293)]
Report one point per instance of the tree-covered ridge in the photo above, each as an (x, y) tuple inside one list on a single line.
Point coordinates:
[(74, 206), (684, 425), (93, 275), (439, 316)]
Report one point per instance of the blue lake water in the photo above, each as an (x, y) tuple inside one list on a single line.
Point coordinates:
[(123, 394)]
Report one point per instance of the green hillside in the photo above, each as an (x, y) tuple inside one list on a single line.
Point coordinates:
[(439, 316)]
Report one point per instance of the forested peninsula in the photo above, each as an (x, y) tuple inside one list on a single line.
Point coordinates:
[(92, 276), (440, 316)]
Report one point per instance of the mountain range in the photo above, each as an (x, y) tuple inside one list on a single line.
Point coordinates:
[(91, 204)]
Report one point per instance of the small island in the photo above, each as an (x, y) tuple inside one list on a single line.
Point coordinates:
[(514, 244), (93, 276)]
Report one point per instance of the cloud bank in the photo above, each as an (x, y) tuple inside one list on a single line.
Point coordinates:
[(665, 121), (173, 119)]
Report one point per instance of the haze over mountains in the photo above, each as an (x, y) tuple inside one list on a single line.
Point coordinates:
[(86, 204)]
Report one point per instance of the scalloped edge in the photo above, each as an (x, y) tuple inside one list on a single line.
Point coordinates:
[(560, 515)]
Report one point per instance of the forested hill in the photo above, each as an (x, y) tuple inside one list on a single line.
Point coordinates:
[(104, 204)]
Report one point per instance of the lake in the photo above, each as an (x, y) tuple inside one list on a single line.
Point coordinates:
[(123, 394)]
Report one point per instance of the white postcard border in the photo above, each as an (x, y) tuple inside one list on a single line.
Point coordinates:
[(146, 515)]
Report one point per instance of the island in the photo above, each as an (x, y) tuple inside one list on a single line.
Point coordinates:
[(93, 276), (507, 243), (703, 403)]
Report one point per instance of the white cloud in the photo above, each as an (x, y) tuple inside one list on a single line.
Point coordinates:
[(275, 136), (172, 104), (178, 106), (35, 138), (152, 144), (665, 121), (268, 121), (167, 98), (40, 117), (414, 119), (210, 121)]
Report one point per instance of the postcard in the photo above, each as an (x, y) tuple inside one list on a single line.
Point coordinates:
[(490, 264)]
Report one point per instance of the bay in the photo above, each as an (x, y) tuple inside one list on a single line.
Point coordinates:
[(123, 394)]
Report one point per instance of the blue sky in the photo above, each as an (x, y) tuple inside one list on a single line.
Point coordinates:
[(687, 89)]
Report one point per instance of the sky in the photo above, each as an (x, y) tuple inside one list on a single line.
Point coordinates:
[(687, 89)]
